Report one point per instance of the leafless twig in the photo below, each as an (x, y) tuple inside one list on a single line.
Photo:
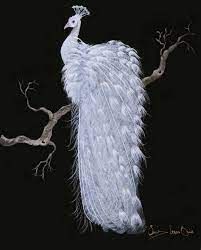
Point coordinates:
[(45, 138), (165, 52), (45, 163)]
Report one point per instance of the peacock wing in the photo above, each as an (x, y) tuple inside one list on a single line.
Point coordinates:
[(110, 127)]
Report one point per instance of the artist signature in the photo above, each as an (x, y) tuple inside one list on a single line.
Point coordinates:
[(155, 231)]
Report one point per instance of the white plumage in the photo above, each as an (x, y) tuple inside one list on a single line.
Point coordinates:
[(107, 95)]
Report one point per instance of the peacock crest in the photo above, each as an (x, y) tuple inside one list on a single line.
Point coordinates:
[(80, 10)]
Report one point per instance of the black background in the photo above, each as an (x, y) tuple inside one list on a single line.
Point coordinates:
[(38, 212)]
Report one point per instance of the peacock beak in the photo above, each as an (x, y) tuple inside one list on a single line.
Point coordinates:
[(66, 26)]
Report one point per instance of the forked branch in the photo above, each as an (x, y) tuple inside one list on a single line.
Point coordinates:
[(45, 138), (165, 51)]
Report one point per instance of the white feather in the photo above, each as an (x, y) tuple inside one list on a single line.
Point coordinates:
[(104, 84)]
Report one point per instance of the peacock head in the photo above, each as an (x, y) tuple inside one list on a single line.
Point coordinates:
[(75, 20)]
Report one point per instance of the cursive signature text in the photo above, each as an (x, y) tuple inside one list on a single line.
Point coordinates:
[(157, 231)]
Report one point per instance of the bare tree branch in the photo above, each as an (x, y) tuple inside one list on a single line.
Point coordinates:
[(45, 163), (165, 52), (45, 138)]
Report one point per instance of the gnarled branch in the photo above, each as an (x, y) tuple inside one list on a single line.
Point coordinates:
[(45, 138), (165, 52)]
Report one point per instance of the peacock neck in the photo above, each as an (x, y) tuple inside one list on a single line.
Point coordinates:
[(73, 37), (70, 43)]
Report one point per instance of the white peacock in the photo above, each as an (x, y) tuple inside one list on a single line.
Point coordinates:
[(108, 97)]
